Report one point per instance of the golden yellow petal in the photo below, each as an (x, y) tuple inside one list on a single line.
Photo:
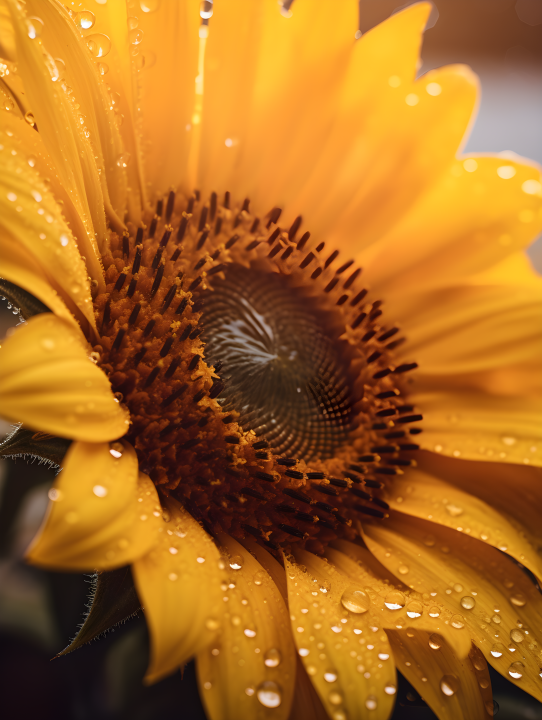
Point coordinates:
[(169, 51), (472, 328), (454, 689), (252, 663), (261, 72), (425, 496), (478, 426), (467, 221), (30, 215), (49, 383), (178, 583), (367, 573), (515, 491), (345, 652), (477, 589), (7, 40), (101, 516), (27, 143), (63, 39), (59, 126), (307, 704)]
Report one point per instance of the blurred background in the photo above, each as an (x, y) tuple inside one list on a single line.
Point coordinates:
[(40, 611)]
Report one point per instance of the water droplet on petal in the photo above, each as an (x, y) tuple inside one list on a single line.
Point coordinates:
[(124, 159), (449, 685), (99, 490), (335, 698), (236, 562), (85, 19), (98, 44), (516, 636), (249, 690), (135, 36), (269, 694), (212, 624), (497, 650), (390, 689), (48, 343), (434, 612), (273, 658), (116, 449), (149, 5), (454, 510), (34, 26), (330, 676), (508, 440), (435, 641), (414, 609), (516, 670), (402, 569), (468, 602), (457, 621), (103, 68), (355, 600), (303, 652), (54, 494), (30, 119), (371, 703), (519, 600), (395, 600), (259, 578), (200, 560)]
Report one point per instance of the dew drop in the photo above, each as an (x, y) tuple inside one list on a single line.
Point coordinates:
[(103, 68), (457, 621), (54, 494), (371, 703), (434, 612), (335, 698), (435, 641), (48, 343), (390, 689), (124, 159), (34, 26), (173, 550), (31, 160), (355, 600), (449, 685), (200, 560), (303, 652), (383, 656), (173, 576), (85, 19), (98, 44), (135, 36), (249, 632), (516, 636), (212, 624), (468, 602), (311, 670), (259, 578), (496, 619), (273, 658), (269, 694), (236, 562), (454, 510), (519, 600), (414, 609), (249, 690), (64, 240), (29, 117), (497, 650), (508, 440), (116, 449), (395, 600), (516, 670), (99, 490), (330, 676), (149, 5), (403, 569)]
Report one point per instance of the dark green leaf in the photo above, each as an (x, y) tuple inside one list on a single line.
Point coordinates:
[(24, 442)]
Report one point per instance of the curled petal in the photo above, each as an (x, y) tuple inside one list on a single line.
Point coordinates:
[(48, 382), (252, 663), (178, 583), (101, 515)]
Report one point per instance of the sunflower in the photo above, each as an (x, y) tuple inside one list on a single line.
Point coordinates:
[(306, 474)]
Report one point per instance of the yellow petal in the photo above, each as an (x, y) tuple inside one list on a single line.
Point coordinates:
[(515, 491), (252, 663), (59, 127), (178, 583), (307, 704), (170, 51), (30, 215), (427, 497), (102, 515), (7, 40), (261, 70), (472, 328), (479, 426), (477, 589), (62, 39), (467, 221), (346, 654), (450, 686), (48, 382), (366, 572)]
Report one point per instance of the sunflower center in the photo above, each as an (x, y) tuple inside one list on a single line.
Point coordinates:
[(259, 375), (279, 361)]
